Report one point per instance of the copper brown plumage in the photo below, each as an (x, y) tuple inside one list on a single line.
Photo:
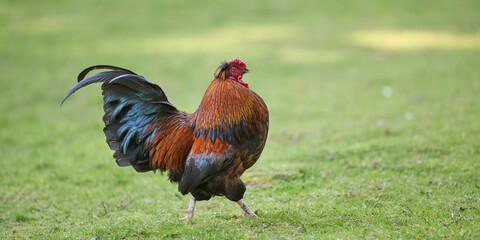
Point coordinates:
[(206, 152)]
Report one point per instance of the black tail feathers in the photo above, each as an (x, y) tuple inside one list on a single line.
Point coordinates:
[(131, 105)]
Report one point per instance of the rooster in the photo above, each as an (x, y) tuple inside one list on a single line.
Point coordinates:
[(205, 152)]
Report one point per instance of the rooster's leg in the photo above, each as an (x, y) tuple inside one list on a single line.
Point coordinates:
[(245, 208), (189, 211)]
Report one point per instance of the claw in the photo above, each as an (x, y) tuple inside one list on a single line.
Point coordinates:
[(181, 210), (187, 218)]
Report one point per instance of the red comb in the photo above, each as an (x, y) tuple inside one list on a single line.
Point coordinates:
[(238, 62)]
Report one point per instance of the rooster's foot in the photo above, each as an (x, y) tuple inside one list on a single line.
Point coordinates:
[(246, 209), (189, 211)]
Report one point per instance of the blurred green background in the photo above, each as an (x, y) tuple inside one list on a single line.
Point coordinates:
[(374, 117)]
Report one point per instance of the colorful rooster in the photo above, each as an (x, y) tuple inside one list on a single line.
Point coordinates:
[(206, 152)]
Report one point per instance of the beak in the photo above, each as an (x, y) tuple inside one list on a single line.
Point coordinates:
[(245, 70)]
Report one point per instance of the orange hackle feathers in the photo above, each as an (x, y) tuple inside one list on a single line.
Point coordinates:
[(172, 142)]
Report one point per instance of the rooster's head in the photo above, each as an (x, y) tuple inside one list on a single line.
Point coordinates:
[(233, 70)]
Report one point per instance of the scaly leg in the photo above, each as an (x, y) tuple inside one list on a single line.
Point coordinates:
[(189, 211), (245, 208)]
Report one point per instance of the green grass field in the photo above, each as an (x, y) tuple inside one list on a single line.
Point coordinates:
[(374, 117)]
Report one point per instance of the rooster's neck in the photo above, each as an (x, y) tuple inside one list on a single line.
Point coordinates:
[(225, 106)]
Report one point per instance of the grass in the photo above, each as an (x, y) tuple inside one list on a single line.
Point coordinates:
[(342, 159)]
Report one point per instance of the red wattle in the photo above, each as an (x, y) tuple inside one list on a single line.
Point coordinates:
[(239, 80)]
